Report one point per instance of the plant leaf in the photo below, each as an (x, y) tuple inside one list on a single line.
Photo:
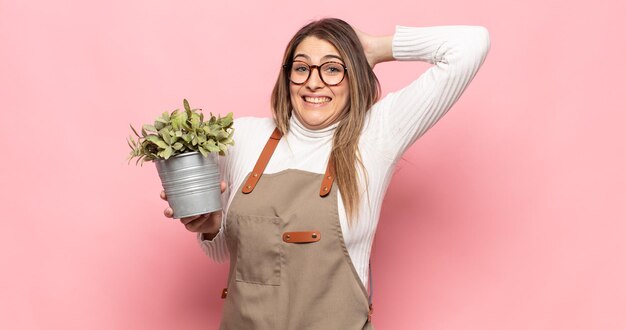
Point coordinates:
[(153, 138), (134, 131), (130, 145), (220, 135), (227, 121), (195, 121), (177, 146), (161, 120), (211, 146), (166, 136), (227, 140), (159, 125), (167, 153), (181, 119)]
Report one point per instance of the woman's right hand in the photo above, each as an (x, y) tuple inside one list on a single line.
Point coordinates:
[(208, 223), (377, 49)]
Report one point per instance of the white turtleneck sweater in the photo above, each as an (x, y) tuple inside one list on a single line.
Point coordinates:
[(393, 124)]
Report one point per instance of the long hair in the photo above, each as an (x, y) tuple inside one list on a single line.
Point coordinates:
[(364, 92)]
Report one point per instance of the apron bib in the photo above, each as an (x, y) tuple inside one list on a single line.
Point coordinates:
[(289, 266)]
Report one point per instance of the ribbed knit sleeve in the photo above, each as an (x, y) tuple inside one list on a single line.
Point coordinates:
[(457, 52), (215, 248)]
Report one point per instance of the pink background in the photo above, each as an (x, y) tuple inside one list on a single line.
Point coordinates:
[(508, 214)]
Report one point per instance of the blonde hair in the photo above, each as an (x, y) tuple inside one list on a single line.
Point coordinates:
[(364, 92)]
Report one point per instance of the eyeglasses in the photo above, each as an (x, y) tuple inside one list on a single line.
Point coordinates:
[(331, 73)]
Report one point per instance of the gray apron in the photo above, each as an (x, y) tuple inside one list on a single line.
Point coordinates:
[(289, 266)]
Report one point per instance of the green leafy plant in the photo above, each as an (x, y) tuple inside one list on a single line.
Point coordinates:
[(180, 132)]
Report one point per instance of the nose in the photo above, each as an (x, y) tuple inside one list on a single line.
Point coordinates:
[(314, 82)]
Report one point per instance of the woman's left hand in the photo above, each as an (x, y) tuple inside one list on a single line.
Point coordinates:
[(377, 49)]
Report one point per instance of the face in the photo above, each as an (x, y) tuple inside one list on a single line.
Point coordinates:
[(315, 104)]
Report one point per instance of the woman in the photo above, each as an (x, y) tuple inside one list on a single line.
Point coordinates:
[(303, 191)]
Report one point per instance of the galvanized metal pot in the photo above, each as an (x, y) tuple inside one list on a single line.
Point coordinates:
[(191, 183)]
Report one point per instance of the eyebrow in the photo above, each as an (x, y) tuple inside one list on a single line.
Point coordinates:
[(325, 57)]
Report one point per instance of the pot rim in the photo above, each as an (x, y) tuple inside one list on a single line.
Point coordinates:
[(189, 153)]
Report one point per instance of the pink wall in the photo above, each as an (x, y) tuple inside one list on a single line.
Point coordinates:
[(508, 214)]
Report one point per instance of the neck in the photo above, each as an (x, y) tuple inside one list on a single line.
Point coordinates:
[(298, 129)]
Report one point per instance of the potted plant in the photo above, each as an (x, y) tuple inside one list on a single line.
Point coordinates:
[(183, 147)]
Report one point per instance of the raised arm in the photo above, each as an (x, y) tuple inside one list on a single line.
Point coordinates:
[(457, 52)]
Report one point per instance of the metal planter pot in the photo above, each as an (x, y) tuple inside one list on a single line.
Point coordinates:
[(191, 183)]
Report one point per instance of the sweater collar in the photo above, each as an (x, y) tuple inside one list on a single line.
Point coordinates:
[(297, 129)]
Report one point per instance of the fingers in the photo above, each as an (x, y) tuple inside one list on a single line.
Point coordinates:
[(193, 223), (223, 186), (168, 212), (187, 220)]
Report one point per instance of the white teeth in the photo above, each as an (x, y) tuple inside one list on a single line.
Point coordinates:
[(317, 99)]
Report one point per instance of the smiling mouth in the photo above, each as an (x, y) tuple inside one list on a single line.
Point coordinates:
[(316, 100)]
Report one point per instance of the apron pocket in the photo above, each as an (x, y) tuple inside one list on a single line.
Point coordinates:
[(259, 250)]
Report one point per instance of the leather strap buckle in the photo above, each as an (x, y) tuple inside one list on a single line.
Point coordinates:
[(329, 177)]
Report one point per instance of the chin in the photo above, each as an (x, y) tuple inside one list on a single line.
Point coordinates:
[(314, 120), (318, 124)]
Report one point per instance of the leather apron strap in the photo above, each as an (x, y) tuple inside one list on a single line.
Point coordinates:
[(329, 177), (261, 163), (266, 155)]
